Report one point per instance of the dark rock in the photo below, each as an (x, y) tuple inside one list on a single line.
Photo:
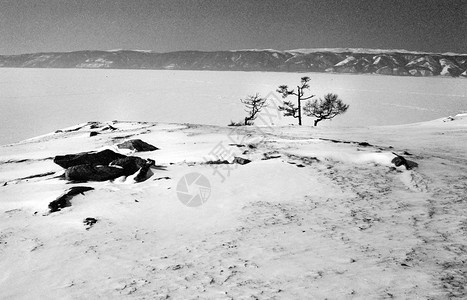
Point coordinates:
[(300, 165), (58, 131), (64, 199), (94, 125), (271, 155), (89, 222), (137, 145), (73, 129), (103, 165), (217, 162), (93, 133), (241, 161), (411, 165), (144, 171), (120, 167), (92, 158), (36, 176), (364, 144), (5, 184), (83, 173), (109, 127), (17, 161), (305, 160), (310, 160), (130, 164), (401, 161)]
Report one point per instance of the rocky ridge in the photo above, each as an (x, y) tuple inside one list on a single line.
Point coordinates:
[(354, 61)]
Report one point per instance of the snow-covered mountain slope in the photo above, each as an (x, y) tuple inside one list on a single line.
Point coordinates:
[(346, 60), (317, 213)]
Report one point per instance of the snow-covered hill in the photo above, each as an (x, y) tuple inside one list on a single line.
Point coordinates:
[(346, 60), (317, 213)]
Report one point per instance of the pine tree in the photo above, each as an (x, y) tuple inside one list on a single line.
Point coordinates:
[(253, 104), (325, 109), (288, 107)]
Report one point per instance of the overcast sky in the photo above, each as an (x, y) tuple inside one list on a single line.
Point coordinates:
[(28, 26)]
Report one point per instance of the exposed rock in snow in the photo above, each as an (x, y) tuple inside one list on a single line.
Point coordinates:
[(64, 200), (103, 157), (120, 167), (137, 145), (401, 161), (89, 222), (89, 172), (241, 161)]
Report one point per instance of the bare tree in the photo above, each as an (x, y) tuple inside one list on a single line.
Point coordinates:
[(253, 104), (328, 108), (289, 108)]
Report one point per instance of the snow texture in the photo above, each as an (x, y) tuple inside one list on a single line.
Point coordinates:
[(318, 213)]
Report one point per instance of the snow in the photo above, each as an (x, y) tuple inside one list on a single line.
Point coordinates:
[(258, 50), (314, 50), (133, 50), (365, 51), (328, 217), (345, 61)]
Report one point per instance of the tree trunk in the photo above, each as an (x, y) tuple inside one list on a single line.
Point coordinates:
[(316, 121), (299, 109)]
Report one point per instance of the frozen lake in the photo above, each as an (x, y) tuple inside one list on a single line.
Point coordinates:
[(38, 101)]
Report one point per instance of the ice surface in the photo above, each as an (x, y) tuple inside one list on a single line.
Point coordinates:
[(38, 101)]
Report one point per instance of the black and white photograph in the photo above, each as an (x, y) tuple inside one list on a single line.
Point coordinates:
[(233, 149)]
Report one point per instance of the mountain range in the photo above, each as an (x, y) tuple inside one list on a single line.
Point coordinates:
[(346, 60)]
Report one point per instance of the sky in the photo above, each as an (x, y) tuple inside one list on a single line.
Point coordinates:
[(29, 26)]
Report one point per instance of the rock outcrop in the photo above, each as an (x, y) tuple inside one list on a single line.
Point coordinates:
[(120, 167), (64, 199), (103, 165), (83, 173), (137, 145), (87, 158), (401, 161), (241, 161)]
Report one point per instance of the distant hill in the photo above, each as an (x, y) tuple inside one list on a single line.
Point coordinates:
[(355, 61)]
